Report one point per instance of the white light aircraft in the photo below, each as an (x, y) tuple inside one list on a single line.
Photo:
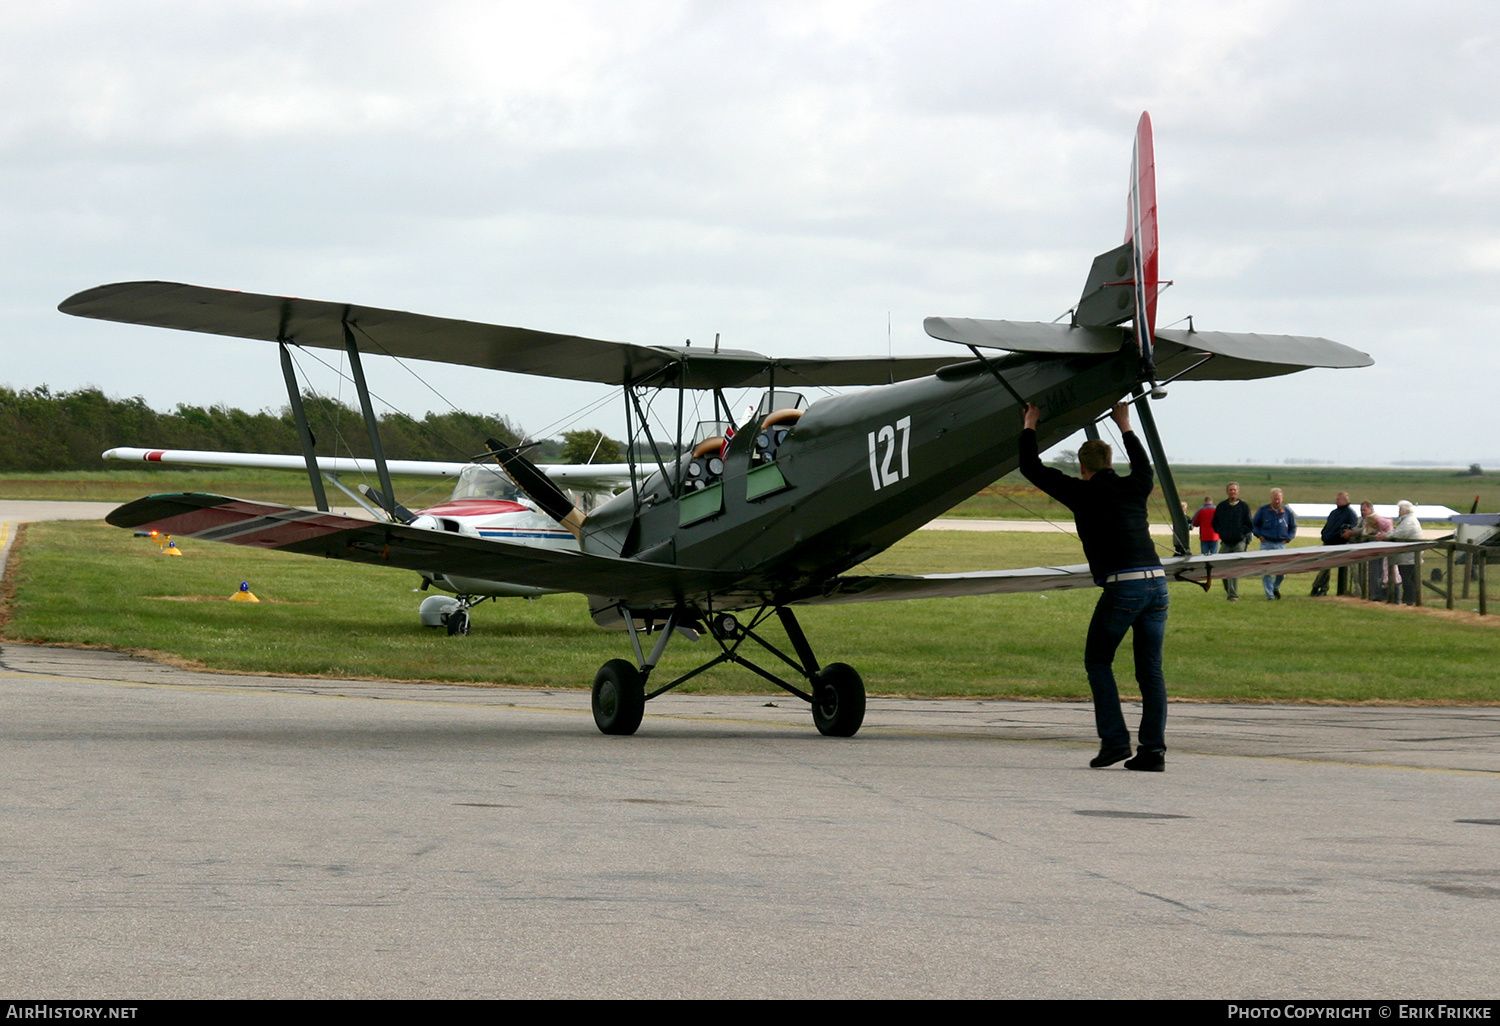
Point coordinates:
[(485, 504)]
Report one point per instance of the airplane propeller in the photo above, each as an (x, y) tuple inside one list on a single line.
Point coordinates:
[(528, 477)]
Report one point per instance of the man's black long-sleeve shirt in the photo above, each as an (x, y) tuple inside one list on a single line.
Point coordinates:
[(1234, 521), (1341, 519), (1110, 510)]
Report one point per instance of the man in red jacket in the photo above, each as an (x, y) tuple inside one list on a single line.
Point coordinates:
[(1203, 520)]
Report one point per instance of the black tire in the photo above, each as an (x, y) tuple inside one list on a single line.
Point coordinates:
[(838, 700), (619, 698), (458, 623)]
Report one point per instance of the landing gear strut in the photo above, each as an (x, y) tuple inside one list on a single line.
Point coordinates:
[(836, 692)]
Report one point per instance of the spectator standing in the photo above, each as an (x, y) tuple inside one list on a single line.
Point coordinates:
[(1373, 527), (1275, 525), (1232, 523), (1337, 530), (1406, 528), (1203, 521)]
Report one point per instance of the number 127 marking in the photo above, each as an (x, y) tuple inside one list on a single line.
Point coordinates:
[(883, 450)]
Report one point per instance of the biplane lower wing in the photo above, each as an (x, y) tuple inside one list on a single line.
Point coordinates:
[(309, 532), (1198, 569)]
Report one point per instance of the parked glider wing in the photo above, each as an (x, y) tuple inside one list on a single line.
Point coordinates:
[(320, 325), (270, 526), (578, 475), (893, 587), (277, 461)]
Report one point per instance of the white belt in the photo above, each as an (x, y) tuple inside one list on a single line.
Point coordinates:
[(1135, 575)]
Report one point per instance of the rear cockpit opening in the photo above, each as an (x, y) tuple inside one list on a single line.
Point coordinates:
[(774, 420)]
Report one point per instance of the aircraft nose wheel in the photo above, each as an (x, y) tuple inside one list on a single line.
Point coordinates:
[(838, 700), (620, 698), (458, 623)]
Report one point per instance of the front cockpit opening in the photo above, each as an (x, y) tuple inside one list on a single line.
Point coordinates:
[(706, 465)]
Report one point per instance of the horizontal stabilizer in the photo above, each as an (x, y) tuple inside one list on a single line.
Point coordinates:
[(266, 525), (320, 325), (1292, 352), (1025, 336), (894, 587), (1211, 355)]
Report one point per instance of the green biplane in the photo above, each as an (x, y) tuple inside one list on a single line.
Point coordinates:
[(728, 524)]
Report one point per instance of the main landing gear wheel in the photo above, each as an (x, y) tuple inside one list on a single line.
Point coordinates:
[(620, 698), (838, 700), (458, 623)]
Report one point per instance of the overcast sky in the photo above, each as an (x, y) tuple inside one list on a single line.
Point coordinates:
[(788, 175)]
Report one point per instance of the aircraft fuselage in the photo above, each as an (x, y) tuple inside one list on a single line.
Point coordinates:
[(858, 472)]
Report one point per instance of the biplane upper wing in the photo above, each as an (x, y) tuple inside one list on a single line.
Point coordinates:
[(320, 325), (271, 526), (1200, 569), (1190, 355)]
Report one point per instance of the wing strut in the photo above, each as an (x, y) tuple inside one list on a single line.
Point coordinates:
[(1003, 383), (294, 397), (387, 493), (1164, 472)]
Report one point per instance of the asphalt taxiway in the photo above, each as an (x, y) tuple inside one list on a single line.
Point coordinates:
[(172, 833)]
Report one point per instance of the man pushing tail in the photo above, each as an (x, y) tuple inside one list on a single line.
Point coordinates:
[(1110, 512)]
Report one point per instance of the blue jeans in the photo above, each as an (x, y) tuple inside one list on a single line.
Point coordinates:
[(1271, 584), (1141, 605), (1208, 548)]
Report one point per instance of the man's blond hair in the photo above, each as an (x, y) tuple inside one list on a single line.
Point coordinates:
[(1095, 455)]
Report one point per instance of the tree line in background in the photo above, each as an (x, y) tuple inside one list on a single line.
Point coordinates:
[(41, 430)]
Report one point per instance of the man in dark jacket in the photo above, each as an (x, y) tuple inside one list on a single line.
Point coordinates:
[(1338, 529), (1233, 522), (1110, 512)]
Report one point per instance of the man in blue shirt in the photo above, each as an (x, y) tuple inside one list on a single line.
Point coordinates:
[(1275, 525), (1110, 512)]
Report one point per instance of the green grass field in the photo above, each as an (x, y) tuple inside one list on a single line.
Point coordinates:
[(89, 584), (1009, 499)]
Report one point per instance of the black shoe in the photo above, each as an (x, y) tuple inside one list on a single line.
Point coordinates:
[(1278, 593), (1110, 756), (1149, 762)]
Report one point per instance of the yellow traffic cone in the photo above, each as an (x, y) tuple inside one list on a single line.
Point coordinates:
[(244, 594)]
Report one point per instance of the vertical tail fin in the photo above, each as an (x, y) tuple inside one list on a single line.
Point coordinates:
[(1141, 232), (1123, 283)]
